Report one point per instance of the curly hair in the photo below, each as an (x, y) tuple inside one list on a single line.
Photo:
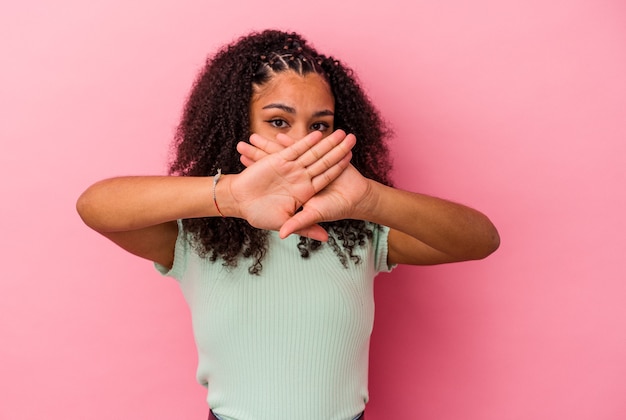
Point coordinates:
[(216, 117)]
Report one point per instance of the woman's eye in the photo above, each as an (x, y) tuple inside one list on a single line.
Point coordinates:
[(319, 126), (277, 123)]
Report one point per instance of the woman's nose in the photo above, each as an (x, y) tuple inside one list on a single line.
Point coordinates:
[(297, 133)]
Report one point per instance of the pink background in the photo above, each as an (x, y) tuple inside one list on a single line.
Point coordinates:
[(517, 108)]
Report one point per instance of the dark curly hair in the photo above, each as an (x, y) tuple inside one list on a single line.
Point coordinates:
[(216, 117)]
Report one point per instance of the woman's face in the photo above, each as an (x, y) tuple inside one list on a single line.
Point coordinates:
[(292, 104)]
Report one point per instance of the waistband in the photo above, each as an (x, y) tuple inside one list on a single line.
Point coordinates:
[(213, 416)]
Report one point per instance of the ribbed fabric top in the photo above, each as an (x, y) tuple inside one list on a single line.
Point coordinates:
[(290, 343)]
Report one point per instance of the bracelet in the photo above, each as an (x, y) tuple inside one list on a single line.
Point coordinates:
[(215, 179)]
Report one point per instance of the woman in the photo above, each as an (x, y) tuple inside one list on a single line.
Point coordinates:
[(281, 321)]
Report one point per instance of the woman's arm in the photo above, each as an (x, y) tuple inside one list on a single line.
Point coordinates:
[(139, 213), (424, 230), (133, 203), (427, 230)]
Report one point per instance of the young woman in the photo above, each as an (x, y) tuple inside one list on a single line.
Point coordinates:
[(276, 217)]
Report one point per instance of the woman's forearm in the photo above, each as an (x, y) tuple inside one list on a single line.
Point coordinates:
[(131, 203), (454, 229)]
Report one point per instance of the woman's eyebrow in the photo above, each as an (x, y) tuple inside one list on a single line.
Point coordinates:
[(281, 107), (291, 110), (326, 112)]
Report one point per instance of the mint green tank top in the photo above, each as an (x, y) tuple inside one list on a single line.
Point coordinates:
[(290, 343)]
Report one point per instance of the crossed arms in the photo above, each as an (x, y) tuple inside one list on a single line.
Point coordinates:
[(313, 174)]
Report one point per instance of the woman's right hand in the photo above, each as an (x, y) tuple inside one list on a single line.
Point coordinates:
[(271, 191)]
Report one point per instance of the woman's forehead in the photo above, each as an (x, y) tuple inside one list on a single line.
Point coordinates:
[(292, 84)]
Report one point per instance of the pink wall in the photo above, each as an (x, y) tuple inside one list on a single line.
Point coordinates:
[(517, 108)]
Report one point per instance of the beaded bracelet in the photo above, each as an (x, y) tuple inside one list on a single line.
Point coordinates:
[(215, 179)]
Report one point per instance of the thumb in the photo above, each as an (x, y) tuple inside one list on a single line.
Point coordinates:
[(314, 232), (304, 221)]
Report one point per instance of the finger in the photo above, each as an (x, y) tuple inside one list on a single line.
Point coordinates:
[(322, 180), (246, 161), (284, 140), (302, 146), (250, 152), (304, 220), (333, 157), (266, 145), (332, 148), (314, 232)]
